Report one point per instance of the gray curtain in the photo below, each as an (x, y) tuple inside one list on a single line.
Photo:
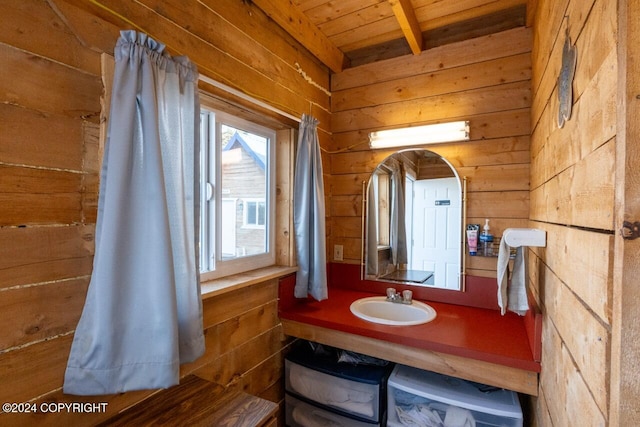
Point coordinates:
[(143, 311), (308, 214), (398, 220)]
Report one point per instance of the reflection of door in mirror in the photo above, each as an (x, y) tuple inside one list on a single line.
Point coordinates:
[(436, 230), (413, 228)]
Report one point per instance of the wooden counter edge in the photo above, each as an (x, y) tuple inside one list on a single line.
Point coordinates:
[(515, 379)]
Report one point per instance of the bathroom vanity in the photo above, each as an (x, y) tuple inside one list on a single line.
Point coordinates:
[(469, 342)]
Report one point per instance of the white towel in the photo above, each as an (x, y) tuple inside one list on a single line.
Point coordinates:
[(512, 297), (419, 416)]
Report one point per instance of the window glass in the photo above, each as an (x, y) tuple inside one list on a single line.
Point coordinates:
[(382, 189), (255, 213), (237, 195)]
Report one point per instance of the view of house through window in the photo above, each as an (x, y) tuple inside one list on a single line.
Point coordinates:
[(382, 196), (255, 213), (237, 194)]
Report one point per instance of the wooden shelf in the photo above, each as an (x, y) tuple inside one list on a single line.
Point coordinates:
[(198, 402)]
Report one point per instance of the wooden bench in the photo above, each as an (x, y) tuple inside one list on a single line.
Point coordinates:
[(198, 402)]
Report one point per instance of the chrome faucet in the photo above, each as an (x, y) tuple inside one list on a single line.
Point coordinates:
[(405, 298)]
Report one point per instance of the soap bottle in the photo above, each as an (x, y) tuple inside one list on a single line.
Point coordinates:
[(486, 239)]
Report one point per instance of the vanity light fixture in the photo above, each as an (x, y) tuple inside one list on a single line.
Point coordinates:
[(416, 135)]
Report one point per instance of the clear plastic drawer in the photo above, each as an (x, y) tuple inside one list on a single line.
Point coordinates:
[(417, 397), (302, 414), (349, 396)]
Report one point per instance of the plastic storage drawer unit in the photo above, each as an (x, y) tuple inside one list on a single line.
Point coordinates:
[(355, 391), (417, 397), (304, 414)]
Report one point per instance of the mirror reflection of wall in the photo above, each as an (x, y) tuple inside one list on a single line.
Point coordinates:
[(413, 229)]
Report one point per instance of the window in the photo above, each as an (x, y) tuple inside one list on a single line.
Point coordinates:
[(237, 203), (382, 197), (255, 213)]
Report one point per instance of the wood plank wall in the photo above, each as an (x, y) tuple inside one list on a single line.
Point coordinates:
[(486, 81), (572, 198), (50, 89)]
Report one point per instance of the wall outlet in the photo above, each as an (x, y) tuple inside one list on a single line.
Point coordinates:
[(337, 252)]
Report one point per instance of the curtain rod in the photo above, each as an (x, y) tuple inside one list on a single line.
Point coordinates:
[(246, 97)]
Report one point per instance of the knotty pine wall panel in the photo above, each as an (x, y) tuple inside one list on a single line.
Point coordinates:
[(486, 81), (445, 107), (38, 196), (31, 255), (40, 84), (35, 313), (241, 340), (36, 29), (465, 77), (50, 155), (259, 66), (443, 57), (23, 133), (573, 200)]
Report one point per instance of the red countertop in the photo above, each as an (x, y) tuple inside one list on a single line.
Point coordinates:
[(466, 331)]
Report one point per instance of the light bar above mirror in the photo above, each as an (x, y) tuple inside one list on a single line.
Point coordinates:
[(418, 135)]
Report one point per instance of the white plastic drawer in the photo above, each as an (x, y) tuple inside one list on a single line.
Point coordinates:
[(427, 397), (302, 414), (351, 397)]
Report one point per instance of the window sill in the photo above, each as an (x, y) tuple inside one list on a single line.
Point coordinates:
[(223, 285)]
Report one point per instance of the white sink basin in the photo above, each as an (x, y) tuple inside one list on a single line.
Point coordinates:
[(379, 310)]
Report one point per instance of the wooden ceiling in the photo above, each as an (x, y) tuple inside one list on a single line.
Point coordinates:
[(348, 33)]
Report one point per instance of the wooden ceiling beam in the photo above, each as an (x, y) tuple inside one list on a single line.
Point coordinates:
[(406, 16), (289, 16)]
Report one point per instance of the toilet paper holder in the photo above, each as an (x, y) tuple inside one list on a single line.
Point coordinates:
[(516, 237)]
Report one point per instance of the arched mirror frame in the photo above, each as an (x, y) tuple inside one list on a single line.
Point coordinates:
[(462, 182)]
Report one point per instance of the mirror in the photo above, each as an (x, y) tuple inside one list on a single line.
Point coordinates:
[(413, 220)]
